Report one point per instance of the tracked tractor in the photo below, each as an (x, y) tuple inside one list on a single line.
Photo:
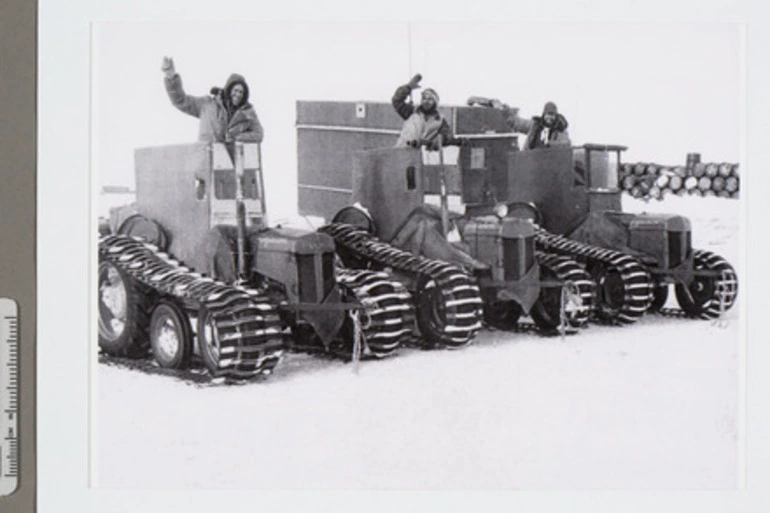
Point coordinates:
[(192, 270), (393, 189), (573, 196)]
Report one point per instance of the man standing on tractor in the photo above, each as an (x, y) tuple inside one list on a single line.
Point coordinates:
[(225, 116), (422, 124), (550, 129)]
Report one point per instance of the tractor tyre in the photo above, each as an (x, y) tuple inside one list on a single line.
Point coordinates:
[(447, 316), (139, 226), (170, 336), (387, 316), (707, 297), (357, 217), (623, 291), (503, 315), (123, 313), (360, 219), (547, 310), (208, 341)]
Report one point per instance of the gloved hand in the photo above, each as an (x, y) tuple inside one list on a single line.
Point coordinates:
[(458, 141), (414, 143), (431, 145), (168, 67), (415, 82)]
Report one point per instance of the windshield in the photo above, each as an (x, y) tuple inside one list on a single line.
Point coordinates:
[(603, 171), (224, 184)]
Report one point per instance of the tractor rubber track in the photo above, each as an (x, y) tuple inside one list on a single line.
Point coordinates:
[(388, 314), (636, 279), (461, 296), (725, 287), (247, 324), (568, 270)]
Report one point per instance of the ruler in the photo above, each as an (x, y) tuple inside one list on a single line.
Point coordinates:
[(9, 396)]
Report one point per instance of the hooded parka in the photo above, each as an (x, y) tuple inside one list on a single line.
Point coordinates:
[(418, 124), (220, 121)]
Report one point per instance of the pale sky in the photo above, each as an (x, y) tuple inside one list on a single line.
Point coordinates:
[(662, 89)]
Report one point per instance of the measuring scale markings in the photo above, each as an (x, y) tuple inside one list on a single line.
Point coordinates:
[(9, 396)]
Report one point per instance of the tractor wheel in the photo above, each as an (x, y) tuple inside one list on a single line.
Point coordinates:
[(708, 296), (360, 219), (524, 210), (139, 226), (123, 313), (623, 290), (387, 316), (357, 217), (208, 341), (547, 310), (170, 336), (659, 298), (503, 315), (448, 315)]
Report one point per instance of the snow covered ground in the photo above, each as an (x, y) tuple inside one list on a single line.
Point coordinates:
[(653, 406)]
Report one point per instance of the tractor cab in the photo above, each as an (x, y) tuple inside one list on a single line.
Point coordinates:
[(188, 189), (599, 166), (392, 182)]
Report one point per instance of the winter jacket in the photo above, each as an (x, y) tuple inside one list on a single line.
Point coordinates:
[(418, 124), (556, 136), (219, 121), (534, 128)]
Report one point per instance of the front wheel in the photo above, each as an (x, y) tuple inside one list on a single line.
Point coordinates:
[(123, 317), (449, 309), (170, 336), (624, 288), (567, 307), (707, 296), (209, 345)]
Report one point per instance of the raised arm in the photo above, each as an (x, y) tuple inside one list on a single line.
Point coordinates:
[(188, 104), (404, 108)]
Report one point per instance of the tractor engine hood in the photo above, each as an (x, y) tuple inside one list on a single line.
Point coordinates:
[(661, 241), (292, 241), (666, 222)]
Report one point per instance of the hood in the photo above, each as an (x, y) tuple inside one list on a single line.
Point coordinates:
[(235, 78), (560, 124), (224, 94)]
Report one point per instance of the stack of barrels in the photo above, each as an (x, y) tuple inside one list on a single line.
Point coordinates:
[(655, 181)]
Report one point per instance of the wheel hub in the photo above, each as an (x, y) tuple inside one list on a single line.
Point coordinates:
[(112, 295), (210, 341), (612, 293), (168, 338)]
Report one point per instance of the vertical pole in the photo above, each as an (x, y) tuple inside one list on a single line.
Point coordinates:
[(261, 178), (442, 176), (240, 210)]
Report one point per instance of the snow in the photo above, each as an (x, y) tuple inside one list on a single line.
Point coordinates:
[(652, 406)]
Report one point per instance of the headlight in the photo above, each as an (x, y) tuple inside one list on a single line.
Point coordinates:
[(501, 210)]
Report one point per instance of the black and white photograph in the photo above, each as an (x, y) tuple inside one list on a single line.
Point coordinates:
[(414, 259), (401, 257)]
